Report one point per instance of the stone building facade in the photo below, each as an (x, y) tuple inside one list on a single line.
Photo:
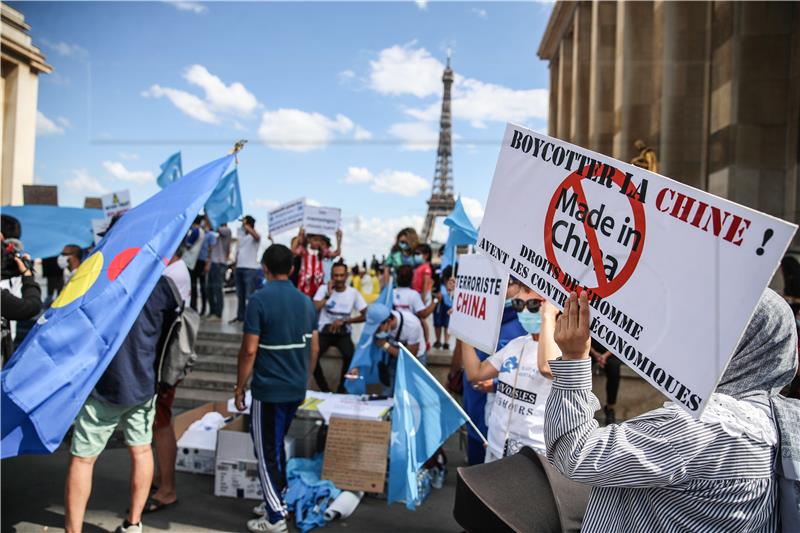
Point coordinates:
[(22, 62), (713, 87)]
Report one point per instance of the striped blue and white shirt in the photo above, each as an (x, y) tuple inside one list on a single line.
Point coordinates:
[(661, 471)]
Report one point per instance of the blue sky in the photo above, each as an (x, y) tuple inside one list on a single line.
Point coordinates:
[(339, 101)]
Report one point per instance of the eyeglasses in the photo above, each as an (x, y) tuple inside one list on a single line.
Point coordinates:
[(519, 304)]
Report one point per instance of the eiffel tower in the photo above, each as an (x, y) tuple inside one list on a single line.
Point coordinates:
[(442, 200)]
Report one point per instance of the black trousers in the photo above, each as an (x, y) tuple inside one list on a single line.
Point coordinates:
[(344, 343), (198, 276), (612, 379)]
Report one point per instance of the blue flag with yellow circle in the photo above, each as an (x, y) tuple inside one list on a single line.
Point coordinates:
[(55, 369)]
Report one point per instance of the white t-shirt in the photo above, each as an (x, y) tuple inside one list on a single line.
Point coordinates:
[(247, 251), (412, 330), (179, 273), (407, 299), (339, 306), (518, 361)]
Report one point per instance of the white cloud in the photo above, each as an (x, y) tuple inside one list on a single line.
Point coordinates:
[(422, 4), (403, 69), (64, 121), (83, 183), (233, 98), (474, 209), (418, 136), (263, 203), (358, 175), (220, 99), (118, 170), (365, 236), (346, 76), (45, 126), (187, 102), (408, 70), (313, 202), (194, 7), (300, 131), (129, 156), (388, 181), (362, 134), (66, 49), (478, 12), (399, 182)]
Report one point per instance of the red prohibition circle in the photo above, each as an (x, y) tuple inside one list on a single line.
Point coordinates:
[(605, 287)]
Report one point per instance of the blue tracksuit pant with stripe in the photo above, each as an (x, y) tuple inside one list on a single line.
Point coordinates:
[(269, 423)]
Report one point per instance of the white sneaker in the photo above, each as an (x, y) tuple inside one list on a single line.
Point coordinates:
[(132, 528), (262, 525), (260, 509)]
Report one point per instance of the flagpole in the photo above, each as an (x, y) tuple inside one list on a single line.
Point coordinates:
[(455, 403)]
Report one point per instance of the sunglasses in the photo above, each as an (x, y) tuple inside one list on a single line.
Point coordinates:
[(519, 304)]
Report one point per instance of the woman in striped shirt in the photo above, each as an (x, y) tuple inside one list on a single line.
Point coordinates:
[(664, 470)]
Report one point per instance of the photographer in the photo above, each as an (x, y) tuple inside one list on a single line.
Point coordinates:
[(21, 295)]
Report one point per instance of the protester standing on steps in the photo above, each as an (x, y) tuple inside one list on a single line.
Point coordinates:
[(248, 271), (220, 252), (336, 302), (279, 349)]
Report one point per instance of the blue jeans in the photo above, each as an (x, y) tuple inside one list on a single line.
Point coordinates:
[(216, 277), (247, 281)]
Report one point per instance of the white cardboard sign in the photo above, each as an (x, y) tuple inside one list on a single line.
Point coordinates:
[(478, 301), (99, 225), (116, 202), (314, 219), (322, 220), (673, 273), (287, 216)]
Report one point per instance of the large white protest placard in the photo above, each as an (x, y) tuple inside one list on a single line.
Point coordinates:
[(287, 216), (322, 220), (99, 225), (313, 218), (116, 203), (478, 301), (673, 273)]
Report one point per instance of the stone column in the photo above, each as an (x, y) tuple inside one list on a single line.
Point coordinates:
[(582, 47), (683, 80), (634, 89), (601, 77), (565, 88), (552, 113), (20, 89)]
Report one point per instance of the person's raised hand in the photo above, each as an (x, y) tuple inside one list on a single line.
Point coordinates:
[(572, 328)]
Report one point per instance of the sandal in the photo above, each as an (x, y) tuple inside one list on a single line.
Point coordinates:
[(152, 505)]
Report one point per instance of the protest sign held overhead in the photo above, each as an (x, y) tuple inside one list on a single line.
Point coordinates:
[(672, 273), (116, 203), (478, 301), (314, 219)]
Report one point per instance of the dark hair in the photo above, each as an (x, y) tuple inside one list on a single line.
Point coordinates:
[(75, 250), (250, 220), (790, 268), (278, 260), (447, 272), (11, 227), (198, 219), (425, 250), (404, 276), (340, 264)]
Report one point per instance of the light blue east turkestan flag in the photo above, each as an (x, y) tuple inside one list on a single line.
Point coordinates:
[(461, 233), (423, 417), (367, 353), (225, 203), (171, 170), (52, 373), (47, 228)]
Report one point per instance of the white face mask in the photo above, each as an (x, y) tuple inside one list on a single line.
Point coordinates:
[(63, 261)]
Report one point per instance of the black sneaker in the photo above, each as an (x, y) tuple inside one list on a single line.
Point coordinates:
[(610, 416), (445, 346), (233, 321), (437, 345)]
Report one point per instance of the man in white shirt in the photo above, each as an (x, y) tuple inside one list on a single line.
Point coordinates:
[(248, 268), (336, 302), (216, 274)]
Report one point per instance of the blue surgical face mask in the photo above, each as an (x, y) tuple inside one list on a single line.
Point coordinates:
[(418, 258), (531, 322), (508, 301), (403, 245), (382, 335)]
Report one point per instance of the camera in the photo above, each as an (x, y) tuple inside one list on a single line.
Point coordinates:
[(9, 250)]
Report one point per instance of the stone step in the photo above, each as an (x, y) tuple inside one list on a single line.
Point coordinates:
[(200, 379), (189, 398), (205, 347), (216, 363), (219, 336)]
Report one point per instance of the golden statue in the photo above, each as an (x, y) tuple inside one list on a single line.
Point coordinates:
[(647, 157)]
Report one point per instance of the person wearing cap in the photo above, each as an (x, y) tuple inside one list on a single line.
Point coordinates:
[(388, 330), (248, 271), (524, 378)]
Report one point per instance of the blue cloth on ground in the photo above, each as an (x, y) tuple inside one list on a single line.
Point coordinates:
[(307, 496)]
